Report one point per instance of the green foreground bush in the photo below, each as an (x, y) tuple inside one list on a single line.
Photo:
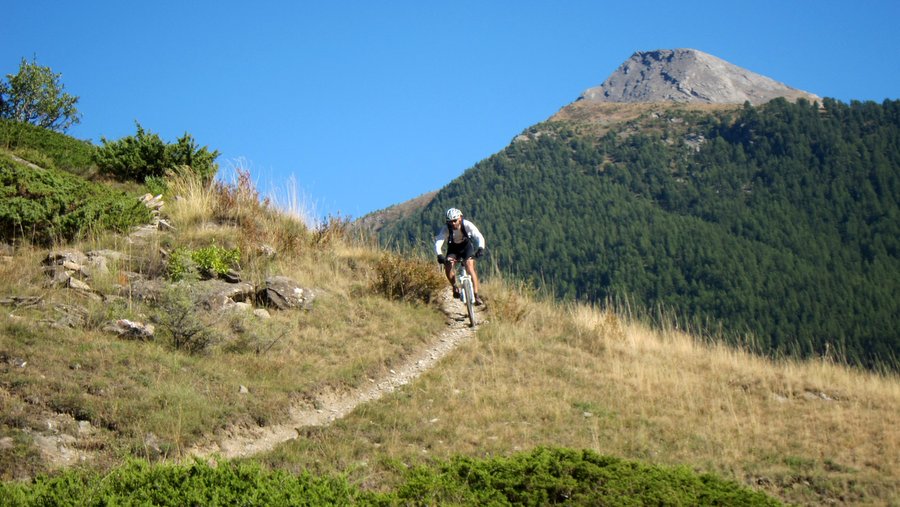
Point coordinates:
[(541, 477), (571, 477), (139, 483)]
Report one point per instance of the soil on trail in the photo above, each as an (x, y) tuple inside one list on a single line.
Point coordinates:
[(236, 442)]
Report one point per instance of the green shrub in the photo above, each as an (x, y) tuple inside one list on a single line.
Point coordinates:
[(216, 260), (180, 321), (179, 265), (197, 483), (133, 157), (156, 185), (549, 476), (541, 477), (407, 279), (47, 205), (145, 155), (208, 261), (186, 152)]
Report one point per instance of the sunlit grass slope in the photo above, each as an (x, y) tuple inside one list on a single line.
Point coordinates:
[(545, 374), (105, 397)]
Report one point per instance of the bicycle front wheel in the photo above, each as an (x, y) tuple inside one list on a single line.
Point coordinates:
[(470, 300)]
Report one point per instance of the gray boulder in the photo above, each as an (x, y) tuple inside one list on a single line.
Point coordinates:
[(217, 294), (129, 329), (282, 293)]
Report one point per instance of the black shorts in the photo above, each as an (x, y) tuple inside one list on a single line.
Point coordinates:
[(464, 250)]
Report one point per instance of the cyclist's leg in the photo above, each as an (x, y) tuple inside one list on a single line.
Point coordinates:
[(448, 269), (469, 256), (453, 256), (470, 268), (451, 274)]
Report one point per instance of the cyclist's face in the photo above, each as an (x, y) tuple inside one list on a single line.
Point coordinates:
[(455, 223)]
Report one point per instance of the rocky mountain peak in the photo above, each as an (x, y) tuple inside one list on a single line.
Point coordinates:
[(688, 75)]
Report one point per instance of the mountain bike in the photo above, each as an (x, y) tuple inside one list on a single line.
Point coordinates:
[(467, 291)]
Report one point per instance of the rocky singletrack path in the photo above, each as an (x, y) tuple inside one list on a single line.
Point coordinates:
[(237, 442)]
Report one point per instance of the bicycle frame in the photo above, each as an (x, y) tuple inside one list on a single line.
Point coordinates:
[(467, 290)]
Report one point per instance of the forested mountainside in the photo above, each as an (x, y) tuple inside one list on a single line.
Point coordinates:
[(777, 223)]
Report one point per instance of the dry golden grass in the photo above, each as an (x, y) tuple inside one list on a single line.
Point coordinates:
[(192, 200), (148, 399), (574, 376)]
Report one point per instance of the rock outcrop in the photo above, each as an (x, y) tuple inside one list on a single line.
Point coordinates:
[(285, 294)]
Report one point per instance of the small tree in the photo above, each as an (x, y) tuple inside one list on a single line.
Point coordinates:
[(35, 95)]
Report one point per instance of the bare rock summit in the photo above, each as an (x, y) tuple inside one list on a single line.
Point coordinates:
[(688, 75)]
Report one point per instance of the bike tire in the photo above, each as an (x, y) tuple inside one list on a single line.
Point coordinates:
[(470, 301)]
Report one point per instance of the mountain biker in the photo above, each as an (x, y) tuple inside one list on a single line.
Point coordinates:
[(464, 242)]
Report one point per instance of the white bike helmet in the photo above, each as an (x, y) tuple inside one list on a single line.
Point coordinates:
[(453, 214)]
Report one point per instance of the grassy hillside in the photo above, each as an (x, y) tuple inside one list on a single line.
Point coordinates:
[(48, 149), (774, 227), (549, 401)]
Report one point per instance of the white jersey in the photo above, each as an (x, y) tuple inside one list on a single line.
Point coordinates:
[(458, 236)]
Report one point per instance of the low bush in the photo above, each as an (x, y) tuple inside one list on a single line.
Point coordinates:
[(548, 476), (179, 319), (208, 261), (156, 185), (541, 477), (197, 483), (47, 205), (179, 265), (35, 157), (215, 260), (332, 230)]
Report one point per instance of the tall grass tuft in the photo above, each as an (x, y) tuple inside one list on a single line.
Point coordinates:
[(237, 201), (296, 203), (192, 201)]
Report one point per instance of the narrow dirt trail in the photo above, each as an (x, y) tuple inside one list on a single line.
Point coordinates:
[(237, 442)]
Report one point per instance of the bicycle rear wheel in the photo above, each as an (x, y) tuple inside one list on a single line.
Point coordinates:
[(470, 300)]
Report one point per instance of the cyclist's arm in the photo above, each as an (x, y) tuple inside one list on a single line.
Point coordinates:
[(439, 242), (475, 234)]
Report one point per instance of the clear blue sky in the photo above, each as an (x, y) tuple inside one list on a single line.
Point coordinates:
[(368, 104)]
